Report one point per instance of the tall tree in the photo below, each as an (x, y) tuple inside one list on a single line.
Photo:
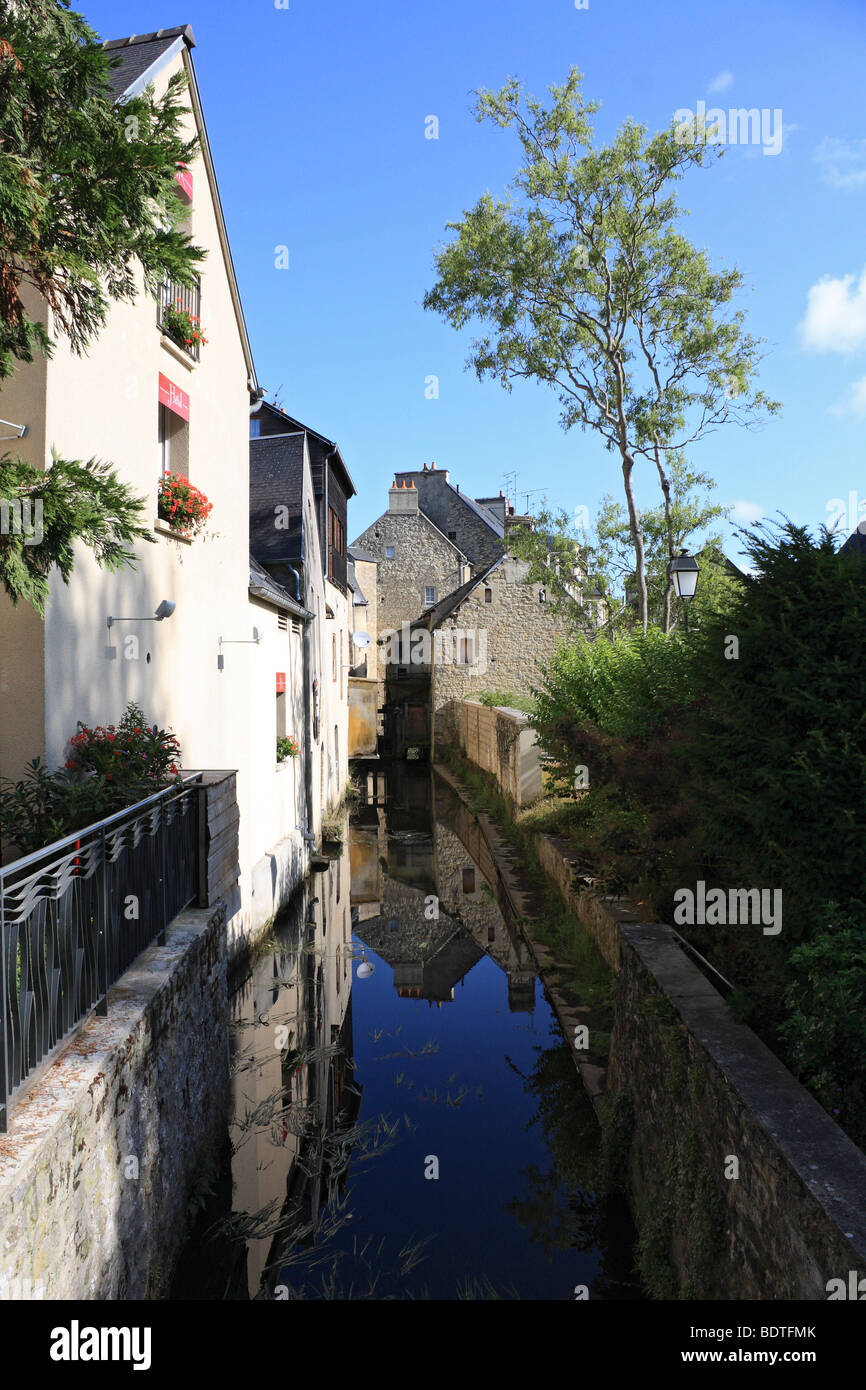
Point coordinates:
[(584, 282), (598, 564)]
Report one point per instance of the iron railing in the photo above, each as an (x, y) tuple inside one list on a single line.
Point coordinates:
[(170, 293), (74, 916)]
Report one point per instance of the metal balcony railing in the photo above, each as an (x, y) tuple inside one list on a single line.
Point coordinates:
[(74, 916), (170, 293)]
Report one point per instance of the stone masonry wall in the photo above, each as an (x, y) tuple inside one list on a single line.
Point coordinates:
[(103, 1151), (499, 741), (702, 1090), (422, 556), (447, 507), (521, 636)]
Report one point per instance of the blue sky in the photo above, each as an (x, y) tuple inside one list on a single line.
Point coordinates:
[(316, 115)]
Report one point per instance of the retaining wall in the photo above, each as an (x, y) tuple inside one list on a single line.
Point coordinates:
[(501, 742), (701, 1090)]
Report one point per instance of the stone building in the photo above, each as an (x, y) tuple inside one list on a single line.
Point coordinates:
[(473, 525), (416, 563), (495, 632)]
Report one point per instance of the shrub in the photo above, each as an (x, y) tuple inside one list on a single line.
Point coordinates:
[(149, 757), (825, 1033), (109, 768), (495, 699), (779, 753)]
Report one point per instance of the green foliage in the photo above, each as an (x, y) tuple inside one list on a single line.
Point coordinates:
[(779, 749), (742, 766), (825, 1033), (286, 748), (590, 576), (583, 281), (494, 699), (87, 186), (44, 806), (624, 688), (148, 756), (69, 501)]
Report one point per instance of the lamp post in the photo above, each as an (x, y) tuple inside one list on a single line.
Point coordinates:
[(684, 571)]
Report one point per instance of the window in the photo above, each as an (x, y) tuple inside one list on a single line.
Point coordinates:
[(488, 595), (173, 442), (429, 596), (452, 535), (469, 880), (282, 726), (389, 552), (255, 427), (282, 621), (334, 657), (466, 655), (336, 543)]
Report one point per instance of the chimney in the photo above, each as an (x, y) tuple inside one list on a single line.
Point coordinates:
[(403, 500)]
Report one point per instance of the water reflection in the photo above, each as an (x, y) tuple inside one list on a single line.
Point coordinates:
[(418, 1133)]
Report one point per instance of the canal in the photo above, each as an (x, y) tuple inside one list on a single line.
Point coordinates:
[(407, 1120)]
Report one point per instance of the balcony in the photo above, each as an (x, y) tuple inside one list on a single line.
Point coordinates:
[(173, 295), (65, 935)]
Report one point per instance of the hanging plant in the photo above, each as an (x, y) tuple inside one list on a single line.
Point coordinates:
[(183, 506), (181, 326)]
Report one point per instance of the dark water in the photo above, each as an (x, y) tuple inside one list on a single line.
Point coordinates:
[(418, 1132)]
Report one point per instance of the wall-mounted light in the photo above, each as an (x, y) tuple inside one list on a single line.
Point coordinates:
[(165, 610), (238, 642), (20, 430)]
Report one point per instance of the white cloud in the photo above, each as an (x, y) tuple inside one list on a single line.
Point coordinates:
[(855, 402), (746, 512), (843, 161), (721, 82), (835, 319)]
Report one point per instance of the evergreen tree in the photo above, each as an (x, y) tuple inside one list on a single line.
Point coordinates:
[(88, 208), (87, 185)]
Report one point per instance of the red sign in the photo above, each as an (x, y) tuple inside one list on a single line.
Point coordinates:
[(281, 682), (172, 397), (184, 179)]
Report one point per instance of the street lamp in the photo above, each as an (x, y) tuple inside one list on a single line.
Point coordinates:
[(684, 572)]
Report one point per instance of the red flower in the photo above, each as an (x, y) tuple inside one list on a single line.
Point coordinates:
[(70, 764)]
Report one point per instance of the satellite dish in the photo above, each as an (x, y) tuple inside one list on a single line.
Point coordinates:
[(361, 639)]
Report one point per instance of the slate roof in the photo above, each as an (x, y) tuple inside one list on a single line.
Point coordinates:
[(356, 553), (320, 445), (359, 600), (487, 517), (263, 586), (276, 479), (855, 544), (138, 52)]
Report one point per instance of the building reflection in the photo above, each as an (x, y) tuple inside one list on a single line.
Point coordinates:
[(423, 889), (292, 1073)]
